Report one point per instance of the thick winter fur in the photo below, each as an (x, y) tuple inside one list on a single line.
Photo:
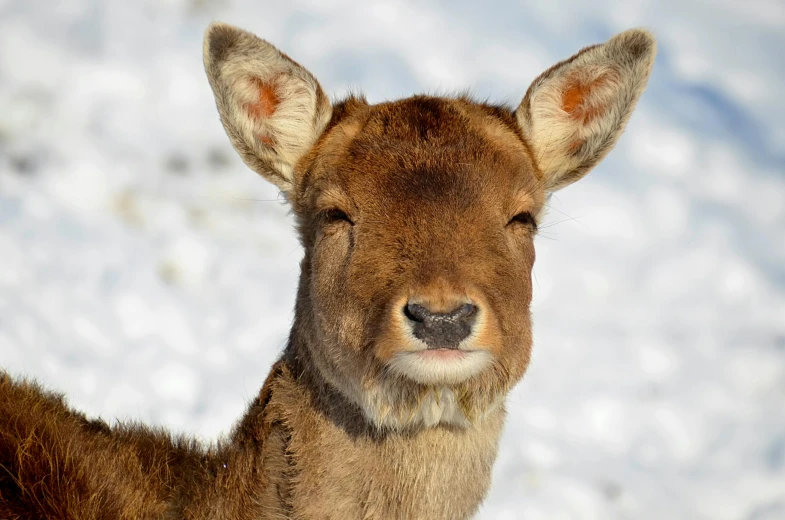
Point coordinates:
[(427, 201)]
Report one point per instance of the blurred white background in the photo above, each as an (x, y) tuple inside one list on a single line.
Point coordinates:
[(148, 274)]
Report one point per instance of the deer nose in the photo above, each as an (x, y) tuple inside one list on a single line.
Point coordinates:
[(441, 330)]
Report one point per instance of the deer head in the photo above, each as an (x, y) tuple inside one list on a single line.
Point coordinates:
[(418, 216)]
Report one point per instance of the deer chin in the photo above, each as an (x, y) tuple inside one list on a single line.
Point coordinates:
[(440, 366), (399, 402)]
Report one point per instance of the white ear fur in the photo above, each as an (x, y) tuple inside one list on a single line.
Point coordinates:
[(573, 113), (272, 109)]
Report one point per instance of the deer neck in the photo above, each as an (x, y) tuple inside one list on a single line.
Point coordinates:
[(321, 454)]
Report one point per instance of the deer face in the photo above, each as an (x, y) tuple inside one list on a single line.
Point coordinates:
[(418, 220), (418, 216)]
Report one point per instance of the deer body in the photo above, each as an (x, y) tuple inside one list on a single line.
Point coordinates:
[(412, 323)]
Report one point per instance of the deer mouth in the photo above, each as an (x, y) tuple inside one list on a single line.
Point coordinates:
[(443, 353), (440, 365)]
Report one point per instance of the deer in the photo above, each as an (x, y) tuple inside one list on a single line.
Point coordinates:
[(417, 219)]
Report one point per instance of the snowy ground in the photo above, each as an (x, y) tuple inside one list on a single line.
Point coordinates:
[(146, 273)]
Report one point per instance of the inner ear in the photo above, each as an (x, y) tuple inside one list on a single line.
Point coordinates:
[(272, 108), (265, 104), (573, 114), (587, 95)]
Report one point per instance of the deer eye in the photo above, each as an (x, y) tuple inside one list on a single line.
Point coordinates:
[(334, 215), (525, 218)]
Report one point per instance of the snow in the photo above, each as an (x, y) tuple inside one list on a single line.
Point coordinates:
[(146, 273)]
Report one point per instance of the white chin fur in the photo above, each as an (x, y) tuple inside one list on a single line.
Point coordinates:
[(432, 371)]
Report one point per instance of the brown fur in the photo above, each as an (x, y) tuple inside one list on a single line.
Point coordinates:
[(427, 200)]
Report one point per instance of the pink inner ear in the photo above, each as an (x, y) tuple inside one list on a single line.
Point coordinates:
[(575, 145), (576, 97), (265, 139), (268, 100)]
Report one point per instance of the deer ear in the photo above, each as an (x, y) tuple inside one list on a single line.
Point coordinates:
[(272, 109), (573, 114)]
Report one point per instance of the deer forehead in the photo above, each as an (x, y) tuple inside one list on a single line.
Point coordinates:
[(445, 153)]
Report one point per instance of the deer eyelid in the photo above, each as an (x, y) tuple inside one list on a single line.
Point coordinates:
[(524, 217), (336, 215)]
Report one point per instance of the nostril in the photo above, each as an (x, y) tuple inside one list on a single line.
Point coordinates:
[(416, 312), (464, 313)]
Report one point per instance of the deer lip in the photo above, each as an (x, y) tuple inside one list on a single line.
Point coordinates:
[(449, 346), (443, 353)]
